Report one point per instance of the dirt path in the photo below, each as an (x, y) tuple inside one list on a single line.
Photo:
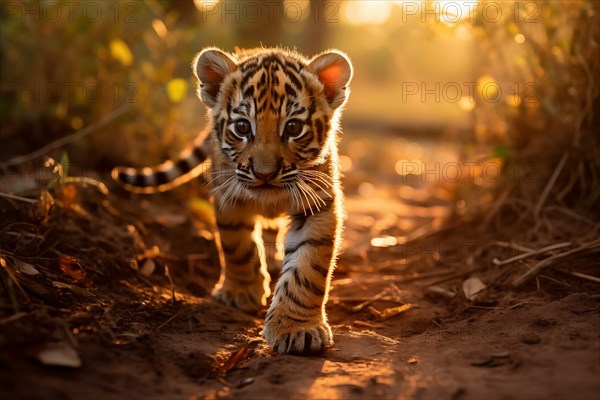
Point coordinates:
[(135, 342), (542, 349)]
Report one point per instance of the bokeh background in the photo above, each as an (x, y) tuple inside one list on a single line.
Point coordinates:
[(472, 178), (436, 82)]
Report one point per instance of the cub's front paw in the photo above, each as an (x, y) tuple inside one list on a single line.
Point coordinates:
[(249, 298), (290, 337)]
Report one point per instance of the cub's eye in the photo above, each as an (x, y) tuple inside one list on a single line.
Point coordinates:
[(293, 128), (243, 127)]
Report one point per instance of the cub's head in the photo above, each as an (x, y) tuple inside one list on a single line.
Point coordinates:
[(275, 113)]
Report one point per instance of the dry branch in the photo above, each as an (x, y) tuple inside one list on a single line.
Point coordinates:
[(549, 185), (531, 253), (595, 245), (584, 276), (19, 198), (69, 138)]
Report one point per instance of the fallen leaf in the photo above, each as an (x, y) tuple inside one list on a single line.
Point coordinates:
[(389, 312), (24, 267), (60, 354), (71, 267), (233, 360), (471, 287)]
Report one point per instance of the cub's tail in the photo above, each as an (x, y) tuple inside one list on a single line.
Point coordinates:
[(190, 164)]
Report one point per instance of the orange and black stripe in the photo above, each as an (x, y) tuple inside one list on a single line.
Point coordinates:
[(165, 176)]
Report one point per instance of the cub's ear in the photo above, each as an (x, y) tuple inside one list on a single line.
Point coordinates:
[(334, 70), (211, 66)]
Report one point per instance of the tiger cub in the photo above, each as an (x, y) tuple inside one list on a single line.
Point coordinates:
[(273, 149)]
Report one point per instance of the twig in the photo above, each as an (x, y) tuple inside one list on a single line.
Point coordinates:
[(531, 253), (440, 291), (168, 274), (583, 276), (23, 234), (167, 322), (365, 324), (414, 276), (12, 318), (551, 260), (69, 138), (549, 185), (370, 301), (12, 196), (514, 246), (554, 280)]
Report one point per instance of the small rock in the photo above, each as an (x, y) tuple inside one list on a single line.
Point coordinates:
[(244, 382), (530, 339)]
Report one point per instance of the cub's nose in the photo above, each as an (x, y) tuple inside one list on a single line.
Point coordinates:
[(265, 168), (265, 176)]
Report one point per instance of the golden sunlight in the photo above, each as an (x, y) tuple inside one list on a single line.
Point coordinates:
[(297, 10), (366, 12), (202, 4), (451, 12)]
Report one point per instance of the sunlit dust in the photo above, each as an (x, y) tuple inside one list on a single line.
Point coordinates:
[(384, 241), (160, 28), (466, 103), (487, 87), (345, 163), (520, 38), (366, 189)]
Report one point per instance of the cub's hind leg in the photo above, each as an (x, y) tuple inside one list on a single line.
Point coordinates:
[(244, 281)]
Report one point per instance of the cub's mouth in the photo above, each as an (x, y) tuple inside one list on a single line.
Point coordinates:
[(266, 185)]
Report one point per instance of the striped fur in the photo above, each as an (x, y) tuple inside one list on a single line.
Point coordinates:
[(273, 149), (190, 164)]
